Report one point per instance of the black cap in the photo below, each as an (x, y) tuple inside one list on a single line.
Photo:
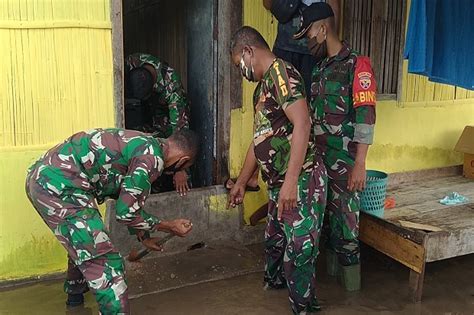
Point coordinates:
[(315, 12)]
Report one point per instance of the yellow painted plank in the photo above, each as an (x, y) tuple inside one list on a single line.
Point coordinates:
[(429, 91), (460, 93), (448, 92), (405, 87), (54, 24), (421, 86)]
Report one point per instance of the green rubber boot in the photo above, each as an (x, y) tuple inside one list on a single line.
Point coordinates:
[(349, 277), (332, 264)]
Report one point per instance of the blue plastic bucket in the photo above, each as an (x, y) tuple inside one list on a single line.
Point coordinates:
[(372, 199)]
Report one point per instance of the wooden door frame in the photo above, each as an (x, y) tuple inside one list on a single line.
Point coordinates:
[(229, 81), (116, 17)]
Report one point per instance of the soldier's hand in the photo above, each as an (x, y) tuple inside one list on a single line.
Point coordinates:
[(181, 227), (236, 195), (151, 244), (287, 199), (357, 178), (180, 180)]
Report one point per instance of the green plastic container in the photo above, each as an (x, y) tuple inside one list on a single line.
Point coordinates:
[(372, 199)]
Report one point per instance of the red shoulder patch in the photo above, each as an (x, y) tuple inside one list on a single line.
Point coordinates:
[(363, 87)]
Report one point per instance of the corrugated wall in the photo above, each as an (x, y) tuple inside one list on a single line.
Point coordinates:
[(417, 132), (56, 79)]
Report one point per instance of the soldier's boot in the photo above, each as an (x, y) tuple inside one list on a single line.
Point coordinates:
[(349, 277), (75, 300), (332, 263)]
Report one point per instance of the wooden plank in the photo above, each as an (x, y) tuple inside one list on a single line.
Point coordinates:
[(389, 43), (159, 28), (347, 25), (229, 84), (470, 94), (376, 53), (396, 52), (401, 77), (379, 235), (419, 226), (448, 219), (448, 245), (429, 91), (117, 52), (396, 179)]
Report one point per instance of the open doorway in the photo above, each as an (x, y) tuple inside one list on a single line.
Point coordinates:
[(193, 37), (180, 33)]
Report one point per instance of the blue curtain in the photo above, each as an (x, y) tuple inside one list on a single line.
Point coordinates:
[(440, 41)]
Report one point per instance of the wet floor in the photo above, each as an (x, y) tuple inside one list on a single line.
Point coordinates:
[(449, 289)]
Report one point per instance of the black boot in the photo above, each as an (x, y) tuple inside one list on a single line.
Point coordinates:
[(75, 300)]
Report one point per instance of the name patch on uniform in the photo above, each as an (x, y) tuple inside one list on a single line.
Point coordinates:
[(281, 82), (364, 87)]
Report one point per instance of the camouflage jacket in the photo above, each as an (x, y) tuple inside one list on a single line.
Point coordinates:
[(280, 87), (169, 105), (116, 163), (343, 97)]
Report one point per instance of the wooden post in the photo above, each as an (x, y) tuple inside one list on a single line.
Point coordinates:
[(417, 277), (117, 55), (416, 284)]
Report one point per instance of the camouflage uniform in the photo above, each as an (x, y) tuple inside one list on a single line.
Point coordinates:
[(291, 246), (343, 105), (169, 105), (64, 186), (295, 51)]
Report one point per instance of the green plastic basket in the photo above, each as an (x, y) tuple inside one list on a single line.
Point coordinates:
[(372, 199)]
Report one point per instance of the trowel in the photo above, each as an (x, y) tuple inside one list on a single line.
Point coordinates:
[(136, 256)]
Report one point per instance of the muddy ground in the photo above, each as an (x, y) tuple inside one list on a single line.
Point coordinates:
[(228, 280)]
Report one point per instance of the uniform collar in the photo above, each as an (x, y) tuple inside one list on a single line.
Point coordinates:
[(341, 55), (269, 69)]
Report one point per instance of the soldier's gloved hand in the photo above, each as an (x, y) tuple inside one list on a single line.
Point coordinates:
[(287, 199), (357, 178), (236, 194), (180, 180)]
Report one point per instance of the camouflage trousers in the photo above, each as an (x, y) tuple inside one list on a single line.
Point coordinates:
[(93, 262), (292, 244), (343, 211)]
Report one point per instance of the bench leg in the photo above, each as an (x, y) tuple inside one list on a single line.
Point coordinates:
[(416, 284)]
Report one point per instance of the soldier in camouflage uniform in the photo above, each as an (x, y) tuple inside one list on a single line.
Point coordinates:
[(343, 105), (68, 181), (286, 47), (295, 175), (166, 94), (159, 88)]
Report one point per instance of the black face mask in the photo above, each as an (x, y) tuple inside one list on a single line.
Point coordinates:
[(318, 50), (172, 169)]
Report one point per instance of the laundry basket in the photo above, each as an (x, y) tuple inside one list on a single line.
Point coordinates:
[(372, 199)]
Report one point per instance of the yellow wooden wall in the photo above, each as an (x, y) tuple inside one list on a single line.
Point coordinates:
[(56, 79), (417, 132)]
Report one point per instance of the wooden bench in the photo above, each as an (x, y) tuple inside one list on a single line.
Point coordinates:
[(418, 202)]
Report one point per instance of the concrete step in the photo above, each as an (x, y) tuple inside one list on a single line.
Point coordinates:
[(214, 262)]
